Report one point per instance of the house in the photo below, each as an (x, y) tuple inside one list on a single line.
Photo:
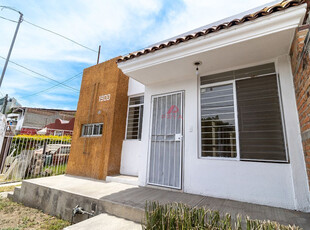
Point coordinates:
[(220, 111), (7, 104), (30, 120), (60, 127)]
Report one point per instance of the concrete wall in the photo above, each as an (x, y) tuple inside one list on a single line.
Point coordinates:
[(263, 183), (132, 149), (98, 157)]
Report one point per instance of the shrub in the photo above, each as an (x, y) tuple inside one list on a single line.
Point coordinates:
[(180, 216)]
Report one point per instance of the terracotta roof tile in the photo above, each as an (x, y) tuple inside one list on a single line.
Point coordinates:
[(249, 17)]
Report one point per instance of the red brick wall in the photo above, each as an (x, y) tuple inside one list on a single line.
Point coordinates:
[(301, 70)]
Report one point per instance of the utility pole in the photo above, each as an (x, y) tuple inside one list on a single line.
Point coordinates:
[(13, 41), (5, 103), (98, 54)]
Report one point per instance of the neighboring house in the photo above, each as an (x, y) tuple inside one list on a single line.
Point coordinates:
[(60, 127), (11, 103), (13, 118), (211, 112), (30, 120)]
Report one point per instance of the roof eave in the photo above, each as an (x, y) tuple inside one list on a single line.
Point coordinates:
[(236, 22), (283, 20)]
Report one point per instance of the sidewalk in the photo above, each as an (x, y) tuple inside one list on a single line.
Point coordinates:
[(58, 195), (105, 222)]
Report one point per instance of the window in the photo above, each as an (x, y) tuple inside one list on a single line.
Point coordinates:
[(89, 130), (241, 115), (259, 115), (134, 118), (218, 135)]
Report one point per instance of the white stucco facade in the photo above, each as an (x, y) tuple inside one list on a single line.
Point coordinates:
[(132, 149), (275, 184)]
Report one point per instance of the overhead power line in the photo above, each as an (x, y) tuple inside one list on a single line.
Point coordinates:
[(30, 75), (8, 19), (60, 35), (42, 75), (50, 31), (69, 79)]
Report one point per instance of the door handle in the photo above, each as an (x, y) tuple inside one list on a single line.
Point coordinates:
[(178, 137)]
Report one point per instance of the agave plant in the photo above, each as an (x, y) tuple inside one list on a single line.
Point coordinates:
[(178, 216)]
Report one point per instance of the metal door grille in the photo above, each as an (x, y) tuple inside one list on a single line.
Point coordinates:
[(165, 158)]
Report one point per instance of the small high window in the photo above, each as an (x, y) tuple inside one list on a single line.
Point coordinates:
[(89, 130), (134, 118)]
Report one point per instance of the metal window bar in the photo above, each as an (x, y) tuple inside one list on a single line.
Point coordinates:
[(89, 130), (134, 118), (218, 133)]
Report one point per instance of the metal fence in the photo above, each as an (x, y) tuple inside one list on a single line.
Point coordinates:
[(25, 156)]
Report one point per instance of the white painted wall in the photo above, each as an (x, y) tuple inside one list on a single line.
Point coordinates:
[(131, 152), (132, 149), (135, 87), (297, 160), (274, 184)]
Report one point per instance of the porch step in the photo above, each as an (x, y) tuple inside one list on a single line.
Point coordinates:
[(14, 195), (124, 179), (105, 222), (58, 195), (5, 194)]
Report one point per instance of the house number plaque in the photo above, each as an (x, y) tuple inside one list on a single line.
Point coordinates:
[(105, 97)]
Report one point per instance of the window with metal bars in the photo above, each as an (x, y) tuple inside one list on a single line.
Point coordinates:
[(89, 130), (218, 134), (134, 118), (241, 115)]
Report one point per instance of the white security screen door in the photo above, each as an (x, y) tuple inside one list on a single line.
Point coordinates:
[(165, 157)]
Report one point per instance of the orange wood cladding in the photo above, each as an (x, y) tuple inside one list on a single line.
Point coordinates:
[(97, 157)]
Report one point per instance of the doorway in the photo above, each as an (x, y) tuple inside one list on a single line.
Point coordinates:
[(166, 141)]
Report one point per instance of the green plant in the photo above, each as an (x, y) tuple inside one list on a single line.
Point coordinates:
[(180, 216), (54, 224), (56, 170)]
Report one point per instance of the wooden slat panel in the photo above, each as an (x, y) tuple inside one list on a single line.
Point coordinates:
[(259, 119), (238, 74)]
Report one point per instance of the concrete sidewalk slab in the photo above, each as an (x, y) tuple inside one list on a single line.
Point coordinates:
[(58, 195), (105, 222), (124, 179), (11, 184)]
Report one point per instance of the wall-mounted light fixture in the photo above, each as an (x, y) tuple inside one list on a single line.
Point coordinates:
[(197, 64)]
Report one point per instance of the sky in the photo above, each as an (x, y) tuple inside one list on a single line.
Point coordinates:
[(119, 26)]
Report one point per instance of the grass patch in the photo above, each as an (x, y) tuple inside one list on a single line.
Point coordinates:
[(181, 216), (8, 188), (55, 170), (14, 216)]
